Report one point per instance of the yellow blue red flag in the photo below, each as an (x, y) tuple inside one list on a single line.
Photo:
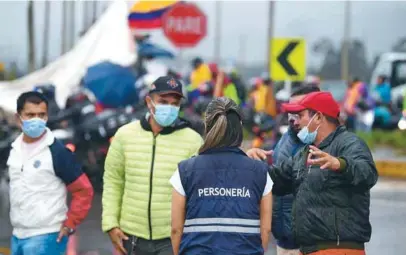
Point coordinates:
[(148, 14)]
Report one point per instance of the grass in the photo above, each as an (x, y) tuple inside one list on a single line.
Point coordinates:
[(393, 139)]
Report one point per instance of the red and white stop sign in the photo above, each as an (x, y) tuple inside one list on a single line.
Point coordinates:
[(185, 25)]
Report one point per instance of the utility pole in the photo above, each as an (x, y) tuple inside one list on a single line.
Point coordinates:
[(31, 36), (346, 42), (45, 43), (270, 33), (85, 11), (72, 32), (94, 11), (64, 24), (217, 36)]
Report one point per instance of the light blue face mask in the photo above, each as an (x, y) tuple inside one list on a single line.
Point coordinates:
[(308, 137), (165, 114), (34, 127)]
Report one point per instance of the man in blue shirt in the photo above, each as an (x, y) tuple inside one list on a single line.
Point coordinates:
[(383, 101), (287, 146)]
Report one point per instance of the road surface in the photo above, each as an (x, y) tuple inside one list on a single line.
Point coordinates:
[(388, 214)]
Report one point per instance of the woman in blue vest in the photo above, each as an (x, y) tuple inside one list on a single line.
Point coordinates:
[(222, 201)]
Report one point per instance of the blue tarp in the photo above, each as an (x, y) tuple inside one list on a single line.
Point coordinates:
[(149, 49), (112, 84)]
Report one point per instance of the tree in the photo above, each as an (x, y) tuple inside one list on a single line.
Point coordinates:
[(400, 45), (330, 69), (331, 66), (357, 60)]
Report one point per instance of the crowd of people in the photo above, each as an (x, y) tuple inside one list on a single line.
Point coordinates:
[(167, 190), (366, 107), (372, 106)]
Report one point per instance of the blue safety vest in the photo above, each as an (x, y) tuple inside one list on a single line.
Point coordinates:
[(223, 190)]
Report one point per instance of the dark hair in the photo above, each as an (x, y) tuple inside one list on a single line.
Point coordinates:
[(330, 119), (197, 61), (304, 90), (33, 97), (356, 79), (223, 125), (383, 77)]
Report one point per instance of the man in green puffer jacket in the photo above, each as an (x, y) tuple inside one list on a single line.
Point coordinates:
[(141, 159)]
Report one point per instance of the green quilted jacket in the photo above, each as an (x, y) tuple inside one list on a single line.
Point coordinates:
[(137, 193)]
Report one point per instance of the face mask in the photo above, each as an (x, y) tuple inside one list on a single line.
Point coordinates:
[(305, 136), (165, 114), (34, 127)]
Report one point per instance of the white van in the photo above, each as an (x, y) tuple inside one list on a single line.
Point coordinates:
[(393, 65)]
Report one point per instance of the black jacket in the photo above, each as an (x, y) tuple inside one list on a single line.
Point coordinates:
[(329, 206)]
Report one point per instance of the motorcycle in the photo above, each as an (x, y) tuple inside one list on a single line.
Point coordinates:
[(88, 132), (8, 134), (258, 124)]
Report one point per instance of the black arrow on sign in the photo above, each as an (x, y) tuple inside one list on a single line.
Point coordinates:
[(283, 58)]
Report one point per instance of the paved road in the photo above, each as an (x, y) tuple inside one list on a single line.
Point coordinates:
[(388, 214)]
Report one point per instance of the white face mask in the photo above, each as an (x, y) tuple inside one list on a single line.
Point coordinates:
[(308, 137)]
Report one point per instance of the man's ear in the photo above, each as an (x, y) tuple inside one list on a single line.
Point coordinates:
[(148, 102), (320, 117), (18, 119)]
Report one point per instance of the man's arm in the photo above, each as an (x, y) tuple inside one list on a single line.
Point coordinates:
[(178, 212), (281, 175), (357, 163), (70, 172), (113, 184)]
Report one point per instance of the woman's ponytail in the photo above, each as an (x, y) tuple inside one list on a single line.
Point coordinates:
[(222, 120)]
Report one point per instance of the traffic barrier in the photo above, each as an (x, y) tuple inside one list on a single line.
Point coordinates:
[(392, 169)]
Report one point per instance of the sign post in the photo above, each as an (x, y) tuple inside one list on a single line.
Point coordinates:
[(288, 59), (185, 25)]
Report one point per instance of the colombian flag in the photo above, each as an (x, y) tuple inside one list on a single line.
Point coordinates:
[(147, 14)]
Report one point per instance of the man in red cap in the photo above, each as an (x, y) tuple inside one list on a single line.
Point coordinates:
[(331, 178)]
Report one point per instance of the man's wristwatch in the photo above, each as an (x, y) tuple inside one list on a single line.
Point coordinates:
[(70, 230)]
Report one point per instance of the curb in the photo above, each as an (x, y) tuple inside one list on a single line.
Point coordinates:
[(392, 169)]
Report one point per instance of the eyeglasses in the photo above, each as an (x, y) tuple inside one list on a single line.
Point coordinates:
[(292, 116)]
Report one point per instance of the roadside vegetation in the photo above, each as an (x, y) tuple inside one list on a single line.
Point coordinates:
[(378, 138)]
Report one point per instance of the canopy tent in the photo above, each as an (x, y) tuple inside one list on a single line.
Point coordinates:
[(109, 39), (148, 14)]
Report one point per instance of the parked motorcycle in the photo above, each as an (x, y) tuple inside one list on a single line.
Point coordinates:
[(8, 133), (87, 132)]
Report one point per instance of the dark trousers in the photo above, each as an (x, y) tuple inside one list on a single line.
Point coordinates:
[(139, 246)]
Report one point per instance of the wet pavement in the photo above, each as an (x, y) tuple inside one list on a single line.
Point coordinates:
[(388, 214)]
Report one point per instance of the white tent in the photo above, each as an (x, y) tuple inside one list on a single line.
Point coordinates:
[(109, 39)]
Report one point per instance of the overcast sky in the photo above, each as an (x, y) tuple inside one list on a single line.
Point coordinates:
[(244, 25), (378, 24)]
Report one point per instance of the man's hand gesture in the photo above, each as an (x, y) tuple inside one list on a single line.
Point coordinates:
[(322, 159), (259, 154), (117, 236)]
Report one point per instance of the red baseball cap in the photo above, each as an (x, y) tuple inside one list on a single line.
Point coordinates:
[(317, 101)]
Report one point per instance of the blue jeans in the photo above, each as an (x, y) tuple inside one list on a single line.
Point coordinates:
[(39, 245)]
